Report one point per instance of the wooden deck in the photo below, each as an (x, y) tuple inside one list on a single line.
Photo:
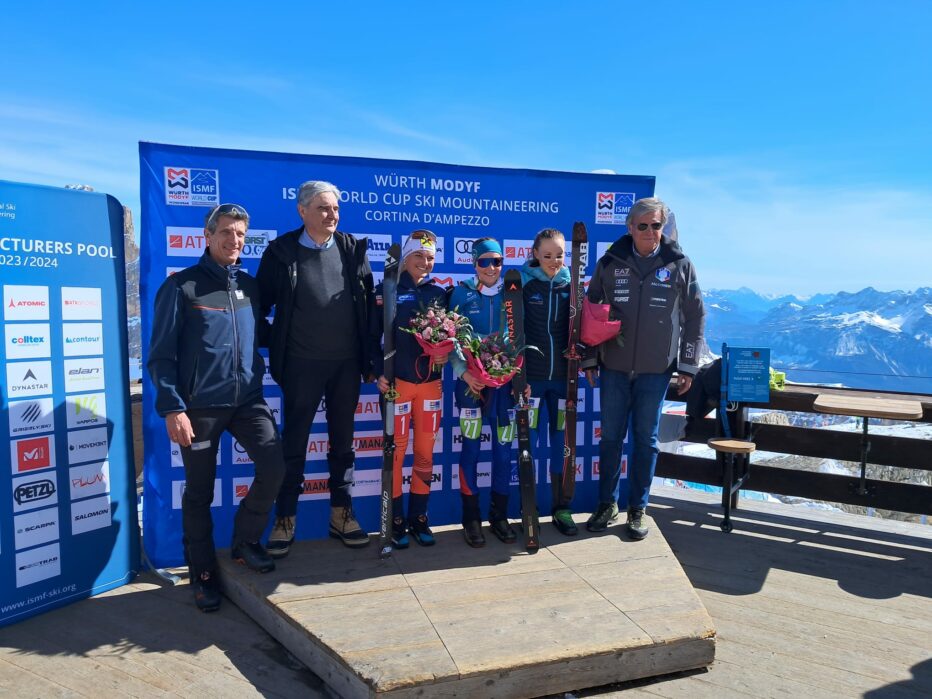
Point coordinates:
[(805, 604)]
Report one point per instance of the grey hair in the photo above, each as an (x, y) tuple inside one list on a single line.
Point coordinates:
[(648, 205), (234, 211), (312, 188)]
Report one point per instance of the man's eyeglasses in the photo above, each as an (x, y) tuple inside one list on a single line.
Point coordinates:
[(234, 210), (655, 226), (424, 233), (485, 262)]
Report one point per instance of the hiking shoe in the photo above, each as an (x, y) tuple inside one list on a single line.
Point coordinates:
[(282, 537), (343, 526), (637, 527), (207, 591), (563, 521), (604, 515), (253, 556), (472, 532), (400, 533), (503, 530), (421, 532)]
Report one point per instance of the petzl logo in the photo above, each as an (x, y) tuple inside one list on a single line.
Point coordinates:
[(192, 186), (26, 492), (32, 454)]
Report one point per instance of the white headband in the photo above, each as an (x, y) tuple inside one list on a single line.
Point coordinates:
[(418, 245)]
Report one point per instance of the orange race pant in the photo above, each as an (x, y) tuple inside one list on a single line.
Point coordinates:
[(418, 407)]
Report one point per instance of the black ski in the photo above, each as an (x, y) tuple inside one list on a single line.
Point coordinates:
[(527, 483), (389, 304), (573, 357)]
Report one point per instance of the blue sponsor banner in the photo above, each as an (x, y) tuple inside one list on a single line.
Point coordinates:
[(383, 200), (68, 507), (748, 374)]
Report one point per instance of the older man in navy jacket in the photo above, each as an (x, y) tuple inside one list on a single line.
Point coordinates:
[(205, 365)]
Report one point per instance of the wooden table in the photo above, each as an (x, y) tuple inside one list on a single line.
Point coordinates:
[(866, 407)]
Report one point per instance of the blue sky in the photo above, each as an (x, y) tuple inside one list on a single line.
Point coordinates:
[(791, 139)]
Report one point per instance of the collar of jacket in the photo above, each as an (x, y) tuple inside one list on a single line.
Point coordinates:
[(208, 264), (623, 249), (528, 273), (285, 247), (407, 281)]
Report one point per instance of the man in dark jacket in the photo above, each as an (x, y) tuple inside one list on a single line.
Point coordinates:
[(205, 364), (651, 285), (320, 283)]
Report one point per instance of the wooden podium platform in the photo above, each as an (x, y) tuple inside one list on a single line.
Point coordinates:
[(494, 622)]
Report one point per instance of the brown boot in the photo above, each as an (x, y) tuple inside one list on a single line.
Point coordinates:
[(343, 526)]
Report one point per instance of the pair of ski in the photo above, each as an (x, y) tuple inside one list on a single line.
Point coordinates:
[(514, 314)]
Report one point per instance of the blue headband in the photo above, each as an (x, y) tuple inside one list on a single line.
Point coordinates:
[(484, 246)]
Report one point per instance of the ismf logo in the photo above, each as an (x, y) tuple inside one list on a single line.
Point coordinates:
[(192, 186), (613, 207), (32, 454)]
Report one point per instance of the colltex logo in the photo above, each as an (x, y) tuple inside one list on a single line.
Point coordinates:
[(28, 341), (612, 207), (192, 186), (32, 454)]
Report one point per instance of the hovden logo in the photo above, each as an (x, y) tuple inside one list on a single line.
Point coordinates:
[(612, 207), (190, 186), (33, 454), (30, 492), (25, 302), (30, 416), (28, 341), (80, 303)]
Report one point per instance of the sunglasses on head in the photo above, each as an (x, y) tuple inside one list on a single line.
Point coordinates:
[(226, 210), (484, 262), (424, 233), (656, 226)]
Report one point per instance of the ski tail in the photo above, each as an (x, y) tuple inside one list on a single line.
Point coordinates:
[(389, 305), (580, 260), (527, 481)]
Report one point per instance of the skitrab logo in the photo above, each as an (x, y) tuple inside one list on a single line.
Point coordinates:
[(613, 207), (192, 186)]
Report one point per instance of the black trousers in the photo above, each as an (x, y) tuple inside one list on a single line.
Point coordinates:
[(306, 381), (253, 426)]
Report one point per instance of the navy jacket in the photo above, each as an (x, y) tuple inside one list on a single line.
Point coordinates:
[(204, 351), (410, 362), (546, 321), (278, 276)]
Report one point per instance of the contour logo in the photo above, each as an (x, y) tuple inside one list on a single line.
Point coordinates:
[(33, 491)]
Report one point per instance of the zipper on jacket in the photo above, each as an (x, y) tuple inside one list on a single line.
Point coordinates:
[(549, 333), (235, 342)]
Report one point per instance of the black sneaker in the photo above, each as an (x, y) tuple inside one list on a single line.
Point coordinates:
[(206, 591), (253, 556), (563, 521), (602, 517), (420, 532), (472, 532), (637, 527), (503, 530), (400, 533)]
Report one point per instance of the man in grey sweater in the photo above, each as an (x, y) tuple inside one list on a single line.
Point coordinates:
[(651, 286)]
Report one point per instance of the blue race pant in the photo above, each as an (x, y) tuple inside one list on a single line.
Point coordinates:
[(548, 443), (495, 405)]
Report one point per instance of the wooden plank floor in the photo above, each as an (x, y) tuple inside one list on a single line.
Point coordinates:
[(805, 603), (454, 622)]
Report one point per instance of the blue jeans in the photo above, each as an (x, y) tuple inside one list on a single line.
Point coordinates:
[(640, 397)]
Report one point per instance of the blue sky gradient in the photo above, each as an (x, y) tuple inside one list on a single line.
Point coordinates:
[(791, 139)]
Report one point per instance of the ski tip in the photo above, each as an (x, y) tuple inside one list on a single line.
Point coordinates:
[(532, 548), (393, 255), (579, 232)]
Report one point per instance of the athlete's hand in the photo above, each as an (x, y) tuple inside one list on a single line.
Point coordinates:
[(527, 392), (383, 384), (179, 428), (683, 382), (474, 384), (440, 360), (592, 376)]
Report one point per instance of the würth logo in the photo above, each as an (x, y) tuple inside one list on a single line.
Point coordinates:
[(177, 178)]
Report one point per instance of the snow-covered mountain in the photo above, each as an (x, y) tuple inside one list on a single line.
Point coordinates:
[(868, 339)]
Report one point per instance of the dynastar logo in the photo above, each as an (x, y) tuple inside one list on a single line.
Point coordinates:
[(29, 375)]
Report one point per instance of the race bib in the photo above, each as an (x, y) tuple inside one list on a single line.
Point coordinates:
[(506, 434), (561, 414), (471, 422), (402, 418), (429, 419), (533, 412)]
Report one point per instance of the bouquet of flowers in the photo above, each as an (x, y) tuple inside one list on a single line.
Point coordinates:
[(492, 359), (438, 330)]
